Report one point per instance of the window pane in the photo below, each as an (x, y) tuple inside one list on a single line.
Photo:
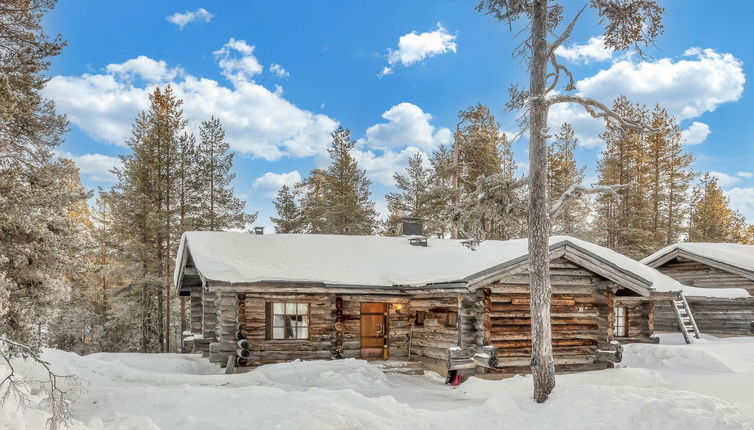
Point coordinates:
[(278, 333), (303, 309), (303, 332), (304, 321), (277, 321), (290, 308), (279, 308)]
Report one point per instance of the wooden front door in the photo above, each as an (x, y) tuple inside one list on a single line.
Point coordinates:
[(374, 330)]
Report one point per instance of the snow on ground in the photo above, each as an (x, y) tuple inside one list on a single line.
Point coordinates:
[(707, 385)]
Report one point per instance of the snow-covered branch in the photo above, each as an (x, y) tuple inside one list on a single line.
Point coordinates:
[(57, 401), (577, 190)]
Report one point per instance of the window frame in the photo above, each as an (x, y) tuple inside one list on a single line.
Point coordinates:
[(616, 321), (270, 320)]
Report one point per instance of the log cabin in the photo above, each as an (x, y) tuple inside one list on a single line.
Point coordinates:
[(449, 304), (721, 281)]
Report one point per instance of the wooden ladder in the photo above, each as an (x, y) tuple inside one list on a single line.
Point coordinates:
[(685, 318)]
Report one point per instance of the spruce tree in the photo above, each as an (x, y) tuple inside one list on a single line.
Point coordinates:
[(289, 214), (348, 208), (218, 209), (415, 192), (562, 173), (712, 219), (441, 197), (480, 150), (39, 239), (337, 200), (312, 191)]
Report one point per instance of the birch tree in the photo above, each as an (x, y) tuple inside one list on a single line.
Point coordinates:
[(628, 23)]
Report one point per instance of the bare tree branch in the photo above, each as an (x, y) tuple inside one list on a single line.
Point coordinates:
[(566, 33), (58, 400), (560, 68), (577, 190), (598, 110)]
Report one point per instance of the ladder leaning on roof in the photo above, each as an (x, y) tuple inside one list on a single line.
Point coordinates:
[(686, 322)]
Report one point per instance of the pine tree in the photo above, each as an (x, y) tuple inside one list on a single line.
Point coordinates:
[(289, 214), (189, 184), (415, 192), (563, 173), (39, 239), (712, 219), (654, 211), (218, 207), (336, 200), (628, 23), (312, 191), (146, 205), (676, 176), (480, 150)]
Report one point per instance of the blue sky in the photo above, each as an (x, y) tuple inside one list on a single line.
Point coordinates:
[(395, 73)]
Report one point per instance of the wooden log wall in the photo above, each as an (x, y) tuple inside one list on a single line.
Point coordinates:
[(474, 319), (209, 316), (431, 339), (639, 316), (695, 274), (226, 325), (579, 319), (398, 325), (195, 309), (265, 351), (712, 315)]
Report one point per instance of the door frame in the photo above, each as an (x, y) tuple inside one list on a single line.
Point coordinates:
[(386, 331)]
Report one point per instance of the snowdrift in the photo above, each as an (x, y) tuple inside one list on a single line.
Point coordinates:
[(656, 389)]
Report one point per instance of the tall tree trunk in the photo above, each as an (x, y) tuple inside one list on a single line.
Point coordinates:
[(542, 363)]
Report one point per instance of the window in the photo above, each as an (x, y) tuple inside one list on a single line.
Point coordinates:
[(620, 324), (452, 319), (289, 321)]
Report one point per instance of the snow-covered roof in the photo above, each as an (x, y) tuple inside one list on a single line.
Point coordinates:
[(732, 254), (376, 261)]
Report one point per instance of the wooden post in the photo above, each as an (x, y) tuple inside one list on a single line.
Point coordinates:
[(610, 315), (183, 322)]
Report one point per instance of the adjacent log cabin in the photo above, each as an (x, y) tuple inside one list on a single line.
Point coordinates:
[(273, 298), (722, 279)]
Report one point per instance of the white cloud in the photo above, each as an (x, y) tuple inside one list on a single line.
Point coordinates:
[(744, 174), (415, 47), (387, 146), (278, 70), (269, 183), (237, 61), (742, 199), (145, 68), (593, 50), (408, 125), (687, 88), (95, 167), (697, 132), (381, 165), (257, 121), (182, 19), (385, 71), (724, 179)]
